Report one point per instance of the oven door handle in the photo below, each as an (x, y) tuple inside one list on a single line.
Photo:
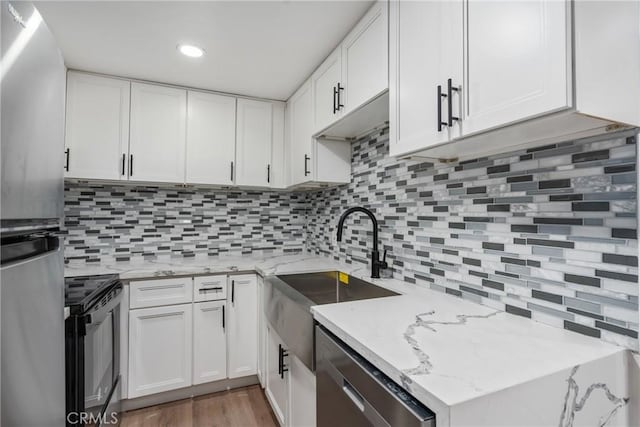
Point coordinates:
[(114, 348), (97, 316)]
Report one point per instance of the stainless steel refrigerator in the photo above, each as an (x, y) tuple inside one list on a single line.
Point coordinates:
[(32, 76)]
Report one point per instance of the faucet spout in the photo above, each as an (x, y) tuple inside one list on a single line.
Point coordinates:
[(366, 212), (376, 264)]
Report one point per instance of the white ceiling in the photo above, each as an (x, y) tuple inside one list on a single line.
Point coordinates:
[(257, 48)]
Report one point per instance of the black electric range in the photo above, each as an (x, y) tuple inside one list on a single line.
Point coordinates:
[(82, 292), (92, 331)]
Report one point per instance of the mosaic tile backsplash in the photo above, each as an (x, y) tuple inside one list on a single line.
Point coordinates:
[(121, 223), (548, 233)]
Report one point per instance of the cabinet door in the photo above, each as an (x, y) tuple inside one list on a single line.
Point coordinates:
[(425, 51), (302, 393), (277, 389), (262, 334), (158, 123), (243, 325), (517, 61), (324, 83), (365, 58), (278, 171), (253, 144), (209, 342), (301, 130), (97, 126), (160, 343), (211, 138)]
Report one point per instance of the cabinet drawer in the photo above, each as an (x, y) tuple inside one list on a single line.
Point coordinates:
[(210, 288), (153, 293)]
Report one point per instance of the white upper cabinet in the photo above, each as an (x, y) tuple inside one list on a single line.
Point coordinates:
[(97, 127), (209, 342), (365, 61), (242, 306), (211, 138), (278, 171), (158, 133), (425, 52), (353, 79), (517, 64), (593, 39), (300, 116), (253, 143), (313, 160), (328, 91), (510, 73)]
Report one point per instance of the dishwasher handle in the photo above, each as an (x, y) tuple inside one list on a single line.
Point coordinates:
[(353, 394)]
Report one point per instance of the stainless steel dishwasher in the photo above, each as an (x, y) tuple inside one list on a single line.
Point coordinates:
[(352, 392)]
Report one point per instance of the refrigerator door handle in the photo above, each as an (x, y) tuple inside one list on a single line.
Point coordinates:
[(20, 248)]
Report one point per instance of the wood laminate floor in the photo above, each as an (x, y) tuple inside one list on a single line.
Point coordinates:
[(241, 407)]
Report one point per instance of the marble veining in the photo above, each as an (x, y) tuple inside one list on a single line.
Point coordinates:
[(445, 358), (424, 367), (573, 404)]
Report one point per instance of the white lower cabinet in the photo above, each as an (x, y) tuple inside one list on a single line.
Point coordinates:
[(262, 334), (290, 385), (186, 331), (302, 394), (277, 389), (189, 330), (242, 298), (160, 345), (209, 342)]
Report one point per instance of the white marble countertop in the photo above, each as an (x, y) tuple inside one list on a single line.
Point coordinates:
[(446, 351), (442, 349), (204, 265), (265, 266)]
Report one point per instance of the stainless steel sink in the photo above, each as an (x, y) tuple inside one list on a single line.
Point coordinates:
[(327, 288), (289, 299)]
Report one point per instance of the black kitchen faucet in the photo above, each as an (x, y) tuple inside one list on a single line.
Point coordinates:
[(376, 264)]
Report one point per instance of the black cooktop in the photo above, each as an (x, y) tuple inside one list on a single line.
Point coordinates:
[(332, 286), (81, 292)]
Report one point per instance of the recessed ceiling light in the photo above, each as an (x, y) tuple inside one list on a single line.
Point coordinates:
[(190, 50)]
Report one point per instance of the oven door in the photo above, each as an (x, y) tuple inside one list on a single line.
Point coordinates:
[(102, 353)]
